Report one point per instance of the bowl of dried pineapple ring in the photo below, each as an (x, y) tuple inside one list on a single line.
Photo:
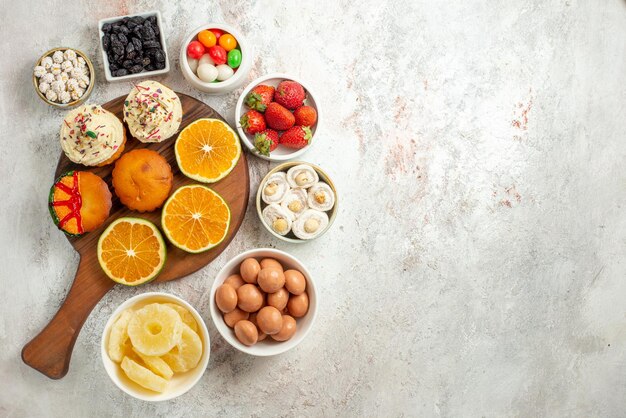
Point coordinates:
[(155, 346)]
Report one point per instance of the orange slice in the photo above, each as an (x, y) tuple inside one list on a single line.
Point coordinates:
[(131, 251), (195, 218), (207, 150)]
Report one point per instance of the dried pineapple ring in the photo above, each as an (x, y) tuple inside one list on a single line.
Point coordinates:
[(187, 353), (155, 329), (142, 376), (119, 336), (156, 365)]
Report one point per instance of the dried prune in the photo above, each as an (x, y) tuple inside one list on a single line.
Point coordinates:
[(106, 28), (106, 42), (121, 72), (136, 69), (123, 39), (137, 43), (147, 33)]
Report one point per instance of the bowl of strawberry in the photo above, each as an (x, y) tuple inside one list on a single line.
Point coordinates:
[(277, 117), (215, 58)]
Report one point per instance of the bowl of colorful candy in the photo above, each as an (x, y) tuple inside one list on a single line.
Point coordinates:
[(215, 58)]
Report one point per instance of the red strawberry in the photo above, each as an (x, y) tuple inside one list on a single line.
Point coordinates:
[(277, 117), (260, 97), (252, 122), (266, 141), (289, 94), (305, 116), (296, 137)]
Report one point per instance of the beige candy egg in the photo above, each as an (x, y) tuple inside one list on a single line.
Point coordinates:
[(278, 299), (271, 279), (249, 270), (270, 262), (246, 332), (295, 282), (269, 320), (249, 298), (252, 319), (226, 298), (298, 305), (234, 316), (287, 330), (235, 281)]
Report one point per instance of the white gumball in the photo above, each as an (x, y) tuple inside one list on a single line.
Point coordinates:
[(193, 64), (207, 73), (206, 59), (224, 72)]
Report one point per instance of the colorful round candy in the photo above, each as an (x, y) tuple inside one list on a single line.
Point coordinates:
[(207, 38), (234, 58), (224, 72), (218, 54), (195, 50), (207, 73), (228, 42)]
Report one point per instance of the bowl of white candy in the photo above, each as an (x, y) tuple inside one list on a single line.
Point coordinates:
[(64, 77)]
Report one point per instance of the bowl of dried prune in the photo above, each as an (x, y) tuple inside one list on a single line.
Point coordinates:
[(133, 46)]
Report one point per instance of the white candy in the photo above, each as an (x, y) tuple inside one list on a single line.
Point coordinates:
[(77, 73), (57, 57), (206, 59), (55, 69), (193, 64), (47, 78), (67, 66), (82, 84), (57, 86), (85, 79), (74, 62), (62, 77), (46, 62), (224, 72), (207, 73), (69, 54), (77, 94), (39, 71), (64, 97), (72, 85), (51, 95), (44, 87)]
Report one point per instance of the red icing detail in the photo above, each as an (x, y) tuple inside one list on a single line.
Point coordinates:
[(74, 203)]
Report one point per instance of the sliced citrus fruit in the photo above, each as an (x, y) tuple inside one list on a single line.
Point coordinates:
[(207, 150), (195, 218), (142, 376), (155, 329), (131, 251), (187, 353)]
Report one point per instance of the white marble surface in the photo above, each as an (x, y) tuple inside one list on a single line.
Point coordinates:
[(477, 264)]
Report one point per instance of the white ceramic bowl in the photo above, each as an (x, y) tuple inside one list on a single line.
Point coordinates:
[(105, 60), (225, 86), (267, 347), (281, 153), (260, 204), (180, 382)]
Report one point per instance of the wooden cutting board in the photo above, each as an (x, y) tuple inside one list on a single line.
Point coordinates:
[(50, 351)]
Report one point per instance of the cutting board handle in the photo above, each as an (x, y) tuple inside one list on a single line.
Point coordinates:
[(51, 350)]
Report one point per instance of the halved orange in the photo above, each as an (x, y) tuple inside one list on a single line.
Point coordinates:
[(207, 150), (131, 251), (195, 218)]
